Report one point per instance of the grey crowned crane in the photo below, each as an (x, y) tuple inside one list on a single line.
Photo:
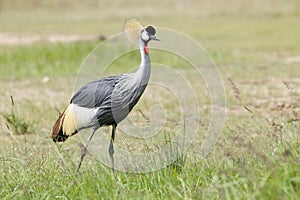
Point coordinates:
[(107, 101)]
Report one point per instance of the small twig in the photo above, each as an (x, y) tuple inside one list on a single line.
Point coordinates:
[(147, 118), (10, 131), (248, 109), (235, 89), (12, 100), (289, 86), (58, 111), (7, 126)]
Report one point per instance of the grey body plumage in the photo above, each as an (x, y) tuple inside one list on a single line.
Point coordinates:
[(106, 101), (113, 96)]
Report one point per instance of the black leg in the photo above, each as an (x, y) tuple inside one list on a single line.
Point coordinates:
[(84, 149), (111, 147)]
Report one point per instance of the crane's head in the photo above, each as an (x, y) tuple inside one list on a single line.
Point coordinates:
[(148, 34), (134, 30)]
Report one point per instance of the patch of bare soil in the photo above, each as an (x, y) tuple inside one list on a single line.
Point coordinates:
[(11, 39), (266, 96)]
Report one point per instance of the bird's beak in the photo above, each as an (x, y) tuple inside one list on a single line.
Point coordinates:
[(153, 37)]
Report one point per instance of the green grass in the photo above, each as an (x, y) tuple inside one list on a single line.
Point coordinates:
[(42, 60), (16, 123), (258, 153)]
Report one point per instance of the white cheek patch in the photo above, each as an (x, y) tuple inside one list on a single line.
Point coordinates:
[(145, 36)]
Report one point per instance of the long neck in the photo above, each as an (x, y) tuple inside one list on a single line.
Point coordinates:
[(143, 73)]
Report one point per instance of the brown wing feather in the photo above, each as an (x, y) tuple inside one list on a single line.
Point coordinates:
[(57, 132)]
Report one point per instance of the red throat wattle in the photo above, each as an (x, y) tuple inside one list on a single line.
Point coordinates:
[(146, 50)]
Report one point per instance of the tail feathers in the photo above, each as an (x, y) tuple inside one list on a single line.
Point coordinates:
[(73, 119), (58, 133)]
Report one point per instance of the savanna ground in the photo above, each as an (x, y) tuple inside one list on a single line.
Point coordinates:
[(255, 45)]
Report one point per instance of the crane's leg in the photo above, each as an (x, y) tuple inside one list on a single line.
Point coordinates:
[(111, 147), (84, 149)]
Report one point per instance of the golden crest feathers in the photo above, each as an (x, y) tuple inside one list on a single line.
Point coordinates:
[(132, 29)]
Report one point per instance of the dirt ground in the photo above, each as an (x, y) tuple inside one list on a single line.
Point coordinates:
[(10, 39)]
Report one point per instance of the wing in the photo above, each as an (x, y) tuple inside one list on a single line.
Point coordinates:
[(124, 96), (113, 96), (95, 93)]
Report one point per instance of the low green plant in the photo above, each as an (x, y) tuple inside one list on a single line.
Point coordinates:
[(15, 122)]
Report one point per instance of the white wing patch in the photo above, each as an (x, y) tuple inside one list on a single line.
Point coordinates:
[(77, 117)]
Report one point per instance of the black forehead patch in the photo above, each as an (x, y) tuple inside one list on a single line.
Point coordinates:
[(151, 30)]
